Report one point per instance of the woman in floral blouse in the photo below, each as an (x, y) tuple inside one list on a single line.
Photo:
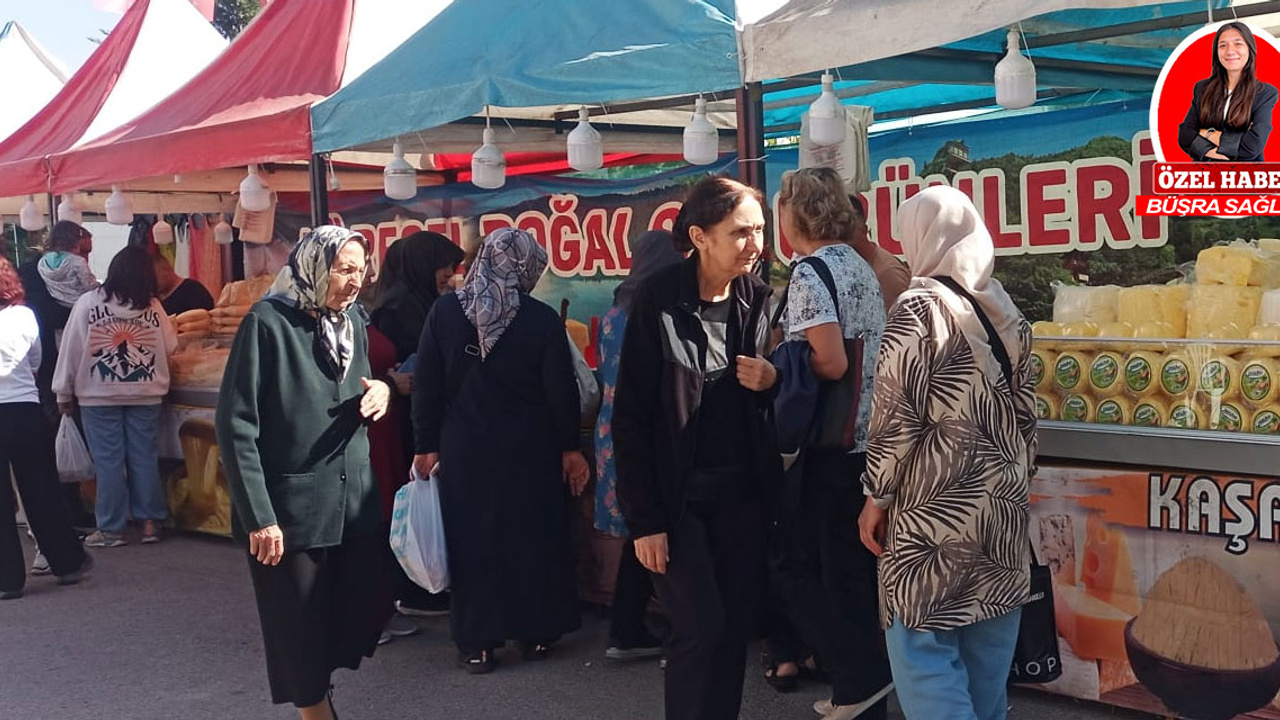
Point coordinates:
[(951, 451), (628, 637)]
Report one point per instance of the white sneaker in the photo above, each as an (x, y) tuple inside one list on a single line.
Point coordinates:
[(40, 566), (849, 712), (384, 638), (822, 707)]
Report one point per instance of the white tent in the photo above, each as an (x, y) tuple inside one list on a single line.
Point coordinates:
[(32, 77)]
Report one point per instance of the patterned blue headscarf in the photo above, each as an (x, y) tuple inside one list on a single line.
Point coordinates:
[(509, 265), (304, 284)]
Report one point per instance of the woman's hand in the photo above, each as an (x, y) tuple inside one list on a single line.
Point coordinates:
[(67, 408), (651, 550), (1216, 155), (377, 396), (267, 545), (872, 524), (756, 374), (576, 471), (426, 464), (1213, 136), (403, 382)]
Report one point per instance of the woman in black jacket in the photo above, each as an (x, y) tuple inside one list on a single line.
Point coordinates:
[(693, 447), (1230, 113)]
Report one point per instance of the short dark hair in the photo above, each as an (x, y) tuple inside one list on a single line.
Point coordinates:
[(131, 278), (66, 236), (11, 292), (708, 203), (859, 213)]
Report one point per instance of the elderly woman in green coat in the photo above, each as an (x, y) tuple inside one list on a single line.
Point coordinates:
[(291, 420)]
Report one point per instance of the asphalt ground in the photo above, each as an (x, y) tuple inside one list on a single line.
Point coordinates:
[(170, 632)]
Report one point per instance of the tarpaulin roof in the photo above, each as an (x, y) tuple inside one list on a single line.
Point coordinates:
[(156, 47), (494, 52), (32, 77), (252, 104)]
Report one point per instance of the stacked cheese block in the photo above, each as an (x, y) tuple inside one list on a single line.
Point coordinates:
[(235, 301), (1106, 357)]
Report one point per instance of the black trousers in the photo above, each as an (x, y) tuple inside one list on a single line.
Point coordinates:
[(827, 579), (26, 446), (711, 593), (631, 596)]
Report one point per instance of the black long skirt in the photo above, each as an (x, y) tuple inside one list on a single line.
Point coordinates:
[(321, 609)]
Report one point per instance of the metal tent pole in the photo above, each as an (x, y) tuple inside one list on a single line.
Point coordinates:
[(319, 176)]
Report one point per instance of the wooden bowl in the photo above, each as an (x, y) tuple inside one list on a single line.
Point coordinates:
[(1201, 693)]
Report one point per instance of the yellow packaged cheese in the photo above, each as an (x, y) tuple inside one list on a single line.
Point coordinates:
[(1237, 264), (1077, 408), (1114, 411), (1220, 378), (1150, 412), (1140, 371), (1046, 407), (1155, 304), (1106, 374), (1225, 416), (1260, 382), (1177, 375), (1213, 307), (1184, 415), (1264, 333), (1265, 422), (1069, 370), (1041, 361)]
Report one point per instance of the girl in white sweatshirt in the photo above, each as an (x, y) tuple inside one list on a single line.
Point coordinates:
[(113, 361)]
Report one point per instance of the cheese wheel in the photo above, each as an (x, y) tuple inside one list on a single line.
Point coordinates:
[(1230, 331), (1265, 422), (1185, 416), (1225, 416), (1260, 382), (1106, 374), (1220, 378), (1041, 361), (1045, 334), (1046, 408), (1113, 333), (1141, 369), (1267, 333), (1077, 408), (1114, 411), (1150, 412), (1177, 376), (1069, 371), (1080, 330)]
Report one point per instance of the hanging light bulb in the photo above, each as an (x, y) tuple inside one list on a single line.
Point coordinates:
[(119, 207), (701, 139), (162, 231), (1015, 76), (826, 115), (399, 179), (586, 151), (30, 218), (255, 195), (334, 184), (69, 210), (222, 234), (488, 165)]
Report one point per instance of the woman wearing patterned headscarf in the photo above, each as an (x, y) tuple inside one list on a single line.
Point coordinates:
[(292, 414), (495, 406)]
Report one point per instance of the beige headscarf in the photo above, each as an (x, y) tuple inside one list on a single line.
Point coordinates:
[(943, 235)]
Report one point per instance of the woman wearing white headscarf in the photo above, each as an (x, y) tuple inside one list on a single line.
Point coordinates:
[(952, 448), (495, 405), (292, 417)]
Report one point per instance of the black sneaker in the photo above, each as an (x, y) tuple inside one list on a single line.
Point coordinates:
[(435, 605), (76, 576), (650, 648), (10, 594)]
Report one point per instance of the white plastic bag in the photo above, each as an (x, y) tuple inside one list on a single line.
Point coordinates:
[(417, 533), (74, 462)]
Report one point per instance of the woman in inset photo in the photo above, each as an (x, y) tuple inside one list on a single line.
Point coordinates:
[(1230, 114)]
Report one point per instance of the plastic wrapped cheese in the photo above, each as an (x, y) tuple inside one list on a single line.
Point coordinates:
[(1046, 333), (1260, 382), (1041, 361), (1046, 407), (1222, 336), (1184, 415), (1150, 412), (1265, 333), (1155, 303), (1265, 422), (1079, 303), (1114, 411), (1106, 374), (1077, 408), (1213, 307), (1225, 416), (1069, 370), (1220, 378), (1177, 375), (1140, 372), (1237, 264), (1080, 330)]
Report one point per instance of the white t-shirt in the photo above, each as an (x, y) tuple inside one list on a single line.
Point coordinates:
[(861, 312), (19, 354)]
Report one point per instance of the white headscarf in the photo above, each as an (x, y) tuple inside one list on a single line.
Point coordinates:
[(943, 235)]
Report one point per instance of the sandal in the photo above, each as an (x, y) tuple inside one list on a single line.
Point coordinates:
[(781, 683), (478, 663), (535, 651)]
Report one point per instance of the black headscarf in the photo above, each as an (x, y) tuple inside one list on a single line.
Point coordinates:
[(650, 253), (408, 286)]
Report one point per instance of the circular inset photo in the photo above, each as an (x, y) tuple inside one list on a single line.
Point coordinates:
[(1215, 96)]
